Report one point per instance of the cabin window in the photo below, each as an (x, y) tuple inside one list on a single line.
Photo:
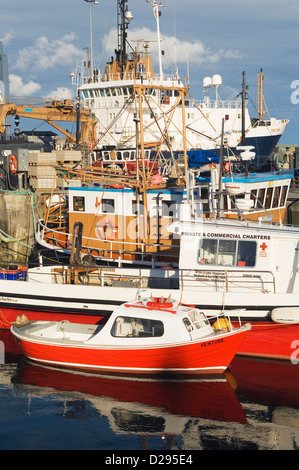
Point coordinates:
[(261, 197), (268, 198), (136, 327), (222, 252), (276, 196), (195, 320), (168, 208), (108, 206), (135, 208), (283, 196), (79, 203), (253, 196)]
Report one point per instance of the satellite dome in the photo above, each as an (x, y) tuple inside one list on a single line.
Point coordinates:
[(207, 82), (216, 80)]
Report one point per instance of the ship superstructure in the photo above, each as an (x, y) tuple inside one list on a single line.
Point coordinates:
[(113, 98)]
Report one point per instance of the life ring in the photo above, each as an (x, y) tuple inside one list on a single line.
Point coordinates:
[(198, 145), (105, 225), (13, 164), (159, 302)]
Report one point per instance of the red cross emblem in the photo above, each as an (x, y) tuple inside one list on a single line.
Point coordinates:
[(263, 246)]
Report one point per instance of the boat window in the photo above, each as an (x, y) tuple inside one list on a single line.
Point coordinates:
[(276, 196), (102, 92), (253, 196), (134, 208), (268, 198), (283, 196), (108, 206), (79, 203), (118, 156), (187, 324), (168, 208), (137, 327), (198, 319), (227, 252), (261, 197)]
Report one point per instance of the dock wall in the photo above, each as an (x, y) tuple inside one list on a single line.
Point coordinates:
[(19, 212)]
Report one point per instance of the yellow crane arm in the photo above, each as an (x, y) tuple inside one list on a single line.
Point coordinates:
[(54, 111)]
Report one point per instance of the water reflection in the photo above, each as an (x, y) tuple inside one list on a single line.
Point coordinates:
[(253, 406)]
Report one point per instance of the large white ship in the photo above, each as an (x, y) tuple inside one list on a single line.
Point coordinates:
[(167, 106)]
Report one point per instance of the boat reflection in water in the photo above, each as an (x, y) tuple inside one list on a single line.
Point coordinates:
[(267, 381), (140, 405), (255, 405)]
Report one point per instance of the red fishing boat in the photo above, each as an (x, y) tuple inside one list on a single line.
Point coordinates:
[(152, 336)]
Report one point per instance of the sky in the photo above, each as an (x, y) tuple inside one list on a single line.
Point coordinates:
[(46, 41)]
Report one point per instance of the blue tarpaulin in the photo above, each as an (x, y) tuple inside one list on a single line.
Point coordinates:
[(199, 157)]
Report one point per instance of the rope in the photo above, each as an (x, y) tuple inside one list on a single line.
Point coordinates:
[(4, 320)]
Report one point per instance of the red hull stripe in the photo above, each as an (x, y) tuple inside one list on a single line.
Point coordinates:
[(204, 355)]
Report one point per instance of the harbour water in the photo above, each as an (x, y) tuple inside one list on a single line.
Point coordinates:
[(254, 406)]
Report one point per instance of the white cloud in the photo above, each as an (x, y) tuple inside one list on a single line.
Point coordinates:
[(46, 54), (61, 93), (19, 88), (176, 50), (6, 39)]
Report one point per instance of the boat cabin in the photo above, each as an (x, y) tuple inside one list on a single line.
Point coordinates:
[(233, 256)]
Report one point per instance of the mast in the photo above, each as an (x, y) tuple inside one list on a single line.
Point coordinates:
[(243, 108), (260, 79), (157, 14), (260, 100), (124, 17)]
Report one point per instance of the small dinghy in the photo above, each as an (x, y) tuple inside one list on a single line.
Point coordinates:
[(152, 336)]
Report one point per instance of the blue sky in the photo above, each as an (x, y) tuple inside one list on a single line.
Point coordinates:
[(45, 42)]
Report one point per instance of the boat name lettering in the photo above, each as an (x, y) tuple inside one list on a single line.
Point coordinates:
[(213, 341), (227, 235), (252, 275), (208, 275), (8, 299)]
